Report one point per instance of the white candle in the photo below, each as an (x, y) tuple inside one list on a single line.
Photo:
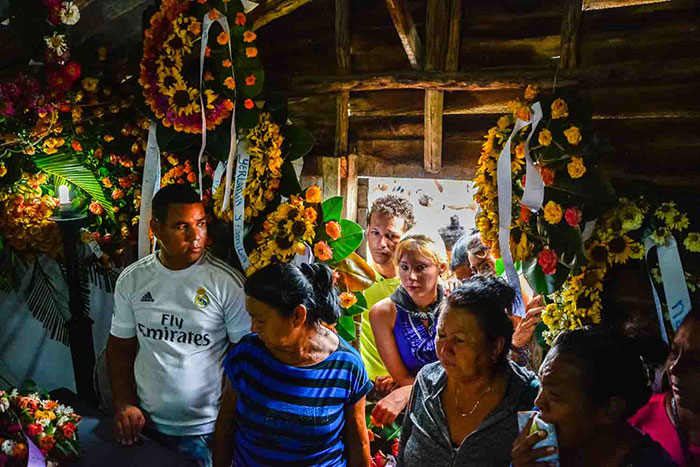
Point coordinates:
[(64, 197)]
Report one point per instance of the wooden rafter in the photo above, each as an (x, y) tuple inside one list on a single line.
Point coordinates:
[(406, 29), (273, 9), (570, 30), (608, 74)]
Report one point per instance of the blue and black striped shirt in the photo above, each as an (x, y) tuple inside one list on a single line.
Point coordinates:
[(290, 415)]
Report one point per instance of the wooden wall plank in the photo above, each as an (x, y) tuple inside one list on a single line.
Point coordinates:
[(570, 30), (406, 29)]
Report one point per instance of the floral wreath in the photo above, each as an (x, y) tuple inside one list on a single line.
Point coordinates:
[(170, 56), (582, 230)]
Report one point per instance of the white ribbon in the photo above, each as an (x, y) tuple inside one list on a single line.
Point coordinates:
[(673, 279), (149, 187), (206, 25), (248, 6), (220, 168), (242, 166), (533, 192), (588, 229)]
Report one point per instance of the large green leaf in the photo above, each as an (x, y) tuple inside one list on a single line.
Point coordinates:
[(359, 307), (346, 328), (332, 209), (352, 235), (68, 167), (300, 141), (541, 283), (289, 184), (355, 275), (47, 304)]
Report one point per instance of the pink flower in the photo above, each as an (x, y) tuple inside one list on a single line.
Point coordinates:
[(573, 217), (548, 260)]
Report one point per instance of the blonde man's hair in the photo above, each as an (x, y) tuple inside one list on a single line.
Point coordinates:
[(420, 243)]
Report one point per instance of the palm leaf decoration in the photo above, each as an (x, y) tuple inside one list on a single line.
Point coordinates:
[(69, 168), (12, 272), (47, 305)]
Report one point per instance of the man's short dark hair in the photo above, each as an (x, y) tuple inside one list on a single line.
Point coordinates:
[(394, 206), (172, 194)]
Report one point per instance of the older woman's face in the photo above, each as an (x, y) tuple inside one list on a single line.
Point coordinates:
[(461, 345), (563, 402), (419, 274), (274, 331), (482, 263), (684, 366)]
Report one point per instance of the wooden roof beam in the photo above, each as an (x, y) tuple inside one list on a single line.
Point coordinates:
[(273, 9), (406, 29), (570, 29), (613, 73)]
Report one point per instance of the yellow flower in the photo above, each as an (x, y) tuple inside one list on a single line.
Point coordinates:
[(313, 195), (347, 299), (573, 135), (559, 109), (636, 250), (90, 84), (177, 45), (183, 99), (523, 249), (518, 161), (666, 210), (504, 122), (678, 221), (631, 217), (576, 168), (660, 235), (167, 79), (3, 169), (545, 137), (51, 145), (552, 212), (230, 83), (692, 242), (531, 92), (619, 248)]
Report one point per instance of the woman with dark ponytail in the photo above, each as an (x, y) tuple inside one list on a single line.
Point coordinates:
[(295, 392)]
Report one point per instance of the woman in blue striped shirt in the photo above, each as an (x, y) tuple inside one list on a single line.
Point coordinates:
[(295, 393)]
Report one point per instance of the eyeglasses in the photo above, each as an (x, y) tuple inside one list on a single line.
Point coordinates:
[(484, 268)]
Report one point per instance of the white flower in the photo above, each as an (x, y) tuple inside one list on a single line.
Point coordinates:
[(70, 13), (44, 422), (57, 43), (67, 410), (7, 447), (62, 420), (4, 404), (14, 393)]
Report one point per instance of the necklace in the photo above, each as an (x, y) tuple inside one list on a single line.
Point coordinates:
[(478, 401)]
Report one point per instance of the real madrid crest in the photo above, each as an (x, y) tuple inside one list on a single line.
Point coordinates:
[(201, 300)]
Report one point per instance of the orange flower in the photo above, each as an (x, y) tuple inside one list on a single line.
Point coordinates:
[(106, 182), (98, 153), (250, 80), (248, 103), (117, 193), (347, 299), (228, 104), (76, 145), (208, 76), (313, 194), (230, 83), (333, 230), (311, 214), (207, 51), (251, 52), (240, 19), (96, 208), (249, 36), (191, 177), (222, 38), (214, 14), (322, 251), (226, 63), (125, 182), (108, 138), (547, 176), (46, 443)]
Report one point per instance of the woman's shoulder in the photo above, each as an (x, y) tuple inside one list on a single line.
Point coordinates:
[(431, 377), (383, 310)]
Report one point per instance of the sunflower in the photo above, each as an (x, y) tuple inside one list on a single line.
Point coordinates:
[(168, 63), (666, 210), (619, 248), (590, 278), (692, 242), (660, 235), (168, 80), (177, 46), (677, 221), (182, 99), (636, 250), (599, 254), (631, 217)]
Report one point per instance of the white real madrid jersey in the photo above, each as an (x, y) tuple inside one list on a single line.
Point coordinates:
[(184, 321)]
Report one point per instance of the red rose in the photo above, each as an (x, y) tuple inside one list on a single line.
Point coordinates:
[(72, 71), (573, 217), (68, 430), (34, 429), (525, 213), (548, 260)]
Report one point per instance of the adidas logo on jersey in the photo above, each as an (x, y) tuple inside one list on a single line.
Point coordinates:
[(147, 297)]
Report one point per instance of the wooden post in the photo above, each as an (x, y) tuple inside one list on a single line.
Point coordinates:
[(350, 189), (570, 28), (362, 210), (406, 29), (438, 37)]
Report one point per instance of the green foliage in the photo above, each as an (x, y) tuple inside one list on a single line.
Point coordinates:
[(332, 209), (351, 238), (346, 328)]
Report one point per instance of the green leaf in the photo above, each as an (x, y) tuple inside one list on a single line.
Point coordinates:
[(243, 74), (277, 106), (300, 141), (68, 167), (173, 141), (346, 328), (289, 185), (350, 240), (332, 209), (246, 118), (541, 283), (47, 305)]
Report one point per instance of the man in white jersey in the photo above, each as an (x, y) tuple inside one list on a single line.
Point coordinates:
[(181, 308)]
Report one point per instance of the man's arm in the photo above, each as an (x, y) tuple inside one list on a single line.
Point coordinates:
[(223, 429), (128, 418)]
